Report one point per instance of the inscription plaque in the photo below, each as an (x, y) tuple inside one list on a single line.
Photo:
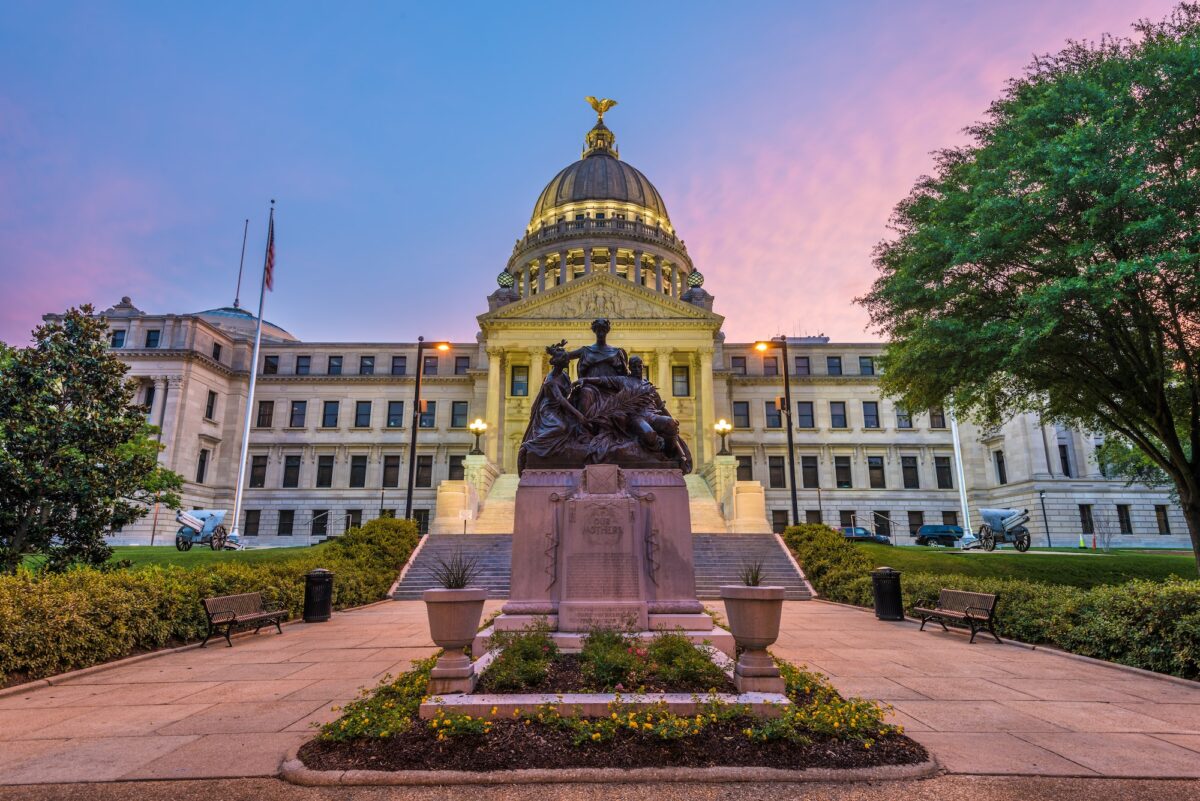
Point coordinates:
[(602, 576)]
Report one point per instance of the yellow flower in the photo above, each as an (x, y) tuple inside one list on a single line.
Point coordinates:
[(614, 715), (494, 710), (647, 726), (596, 736), (748, 732)]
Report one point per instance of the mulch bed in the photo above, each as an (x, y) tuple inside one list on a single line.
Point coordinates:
[(566, 676), (512, 745)]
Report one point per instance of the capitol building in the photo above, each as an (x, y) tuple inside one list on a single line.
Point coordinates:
[(331, 422)]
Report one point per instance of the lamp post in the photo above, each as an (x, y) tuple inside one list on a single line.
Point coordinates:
[(416, 422), (723, 428), (781, 342), (477, 428), (1045, 519)]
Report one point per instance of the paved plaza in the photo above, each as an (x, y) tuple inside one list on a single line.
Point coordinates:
[(234, 712)]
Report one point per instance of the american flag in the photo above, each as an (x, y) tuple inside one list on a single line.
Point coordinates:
[(269, 267)]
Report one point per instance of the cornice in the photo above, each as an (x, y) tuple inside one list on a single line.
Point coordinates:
[(179, 354)]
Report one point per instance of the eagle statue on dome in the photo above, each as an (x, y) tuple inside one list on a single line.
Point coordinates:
[(600, 106)]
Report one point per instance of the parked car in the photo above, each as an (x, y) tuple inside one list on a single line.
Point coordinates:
[(863, 534), (939, 535)]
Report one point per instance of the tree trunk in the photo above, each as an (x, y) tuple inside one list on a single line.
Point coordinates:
[(1191, 513)]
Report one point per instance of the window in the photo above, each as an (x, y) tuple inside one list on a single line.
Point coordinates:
[(837, 414), (421, 518), (846, 518), (833, 365), (362, 414), (299, 408), (253, 516), (258, 471), (519, 386), (366, 365), (903, 418), (681, 384), (870, 414), (116, 339), (770, 365), (841, 469), (812, 515), (395, 416), (430, 365), (457, 471), (745, 468), (358, 471), (458, 414), (428, 417), (774, 418), (1124, 523), (424, 471), (325, 471), (210, 405), (152, 338), (941, 466), (908, 467), (462, 364), (334, 366), (320, 522), (883, 524), (202, 466), (915, 521), (391, 471), (949, 518), (866, 365), (741, 414), (779, 520), (270, 365), (775, 474), (353, 518), (303, 365), (937, 417), (216, 351), (804, 414), (1064, 457), (1160, 516), (399, 365), (737, 364), (266, 414), (809, 475), (149, 399), (291, 471), (803, 367), (329, 414), (287, 522), (1086, 523), (875, 472), (1001, 470)]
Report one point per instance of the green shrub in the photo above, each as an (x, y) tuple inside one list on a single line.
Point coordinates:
[(1146, 624), (611, 659), (679, 663), (524, 659), (57, 622)]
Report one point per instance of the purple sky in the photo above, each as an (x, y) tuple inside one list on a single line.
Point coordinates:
[(406, 147)]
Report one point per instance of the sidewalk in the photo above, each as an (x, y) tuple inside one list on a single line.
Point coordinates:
[(234, 712)]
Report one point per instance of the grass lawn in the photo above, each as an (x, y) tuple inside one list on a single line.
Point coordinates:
[(143, 555), (1076, 568)]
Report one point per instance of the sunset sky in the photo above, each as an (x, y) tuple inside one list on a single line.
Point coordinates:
[(406, 146)]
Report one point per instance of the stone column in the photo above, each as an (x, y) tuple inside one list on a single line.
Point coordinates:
[(495, 396), (637, 267), (612, 261), (173, 388), (525, 281), (159, 382), (705, 400), (587, 260), (535, 371), (664, 371), (658, 274), (564, 269), (541, 265)]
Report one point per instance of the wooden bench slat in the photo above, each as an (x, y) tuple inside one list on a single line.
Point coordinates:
[(977, 609), (243, 609)]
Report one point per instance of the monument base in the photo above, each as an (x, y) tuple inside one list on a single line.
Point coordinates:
[(571, 642)]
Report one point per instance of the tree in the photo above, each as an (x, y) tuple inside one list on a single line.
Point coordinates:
[(1053, 263), (77, 458)]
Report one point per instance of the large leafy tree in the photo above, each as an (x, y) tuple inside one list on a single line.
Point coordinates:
[(1053, 263), (77, 458)]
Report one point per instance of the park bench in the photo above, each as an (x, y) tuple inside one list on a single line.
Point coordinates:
[(243, 611), (976, 609)]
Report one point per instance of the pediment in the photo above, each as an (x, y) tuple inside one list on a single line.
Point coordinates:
[(600, 294)]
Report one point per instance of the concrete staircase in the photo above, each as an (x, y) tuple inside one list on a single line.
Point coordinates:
[(498, 512), (720, 557), (706, 514), (492, 554)]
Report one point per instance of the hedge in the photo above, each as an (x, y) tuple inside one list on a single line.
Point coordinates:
[(1147, 624), (57, 622)]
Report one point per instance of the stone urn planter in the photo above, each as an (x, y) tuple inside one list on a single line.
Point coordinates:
[(453, 620), (754, 613)]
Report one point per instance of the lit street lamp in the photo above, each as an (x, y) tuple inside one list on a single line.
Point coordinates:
[(477, 428), (761, 347), (723, 428), (416, 422)]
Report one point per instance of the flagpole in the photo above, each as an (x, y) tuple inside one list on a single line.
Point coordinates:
[(237, 295), (262, 294)]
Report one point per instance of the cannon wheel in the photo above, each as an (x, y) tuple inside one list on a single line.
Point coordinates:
[(1023, 541), (218, 538), (987, 538), (182, 544)]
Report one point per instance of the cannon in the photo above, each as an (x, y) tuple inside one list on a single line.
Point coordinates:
[(203, 527), (1004, 525)]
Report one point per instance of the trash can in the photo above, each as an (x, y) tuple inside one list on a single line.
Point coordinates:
[(318, 595), (889, 603)]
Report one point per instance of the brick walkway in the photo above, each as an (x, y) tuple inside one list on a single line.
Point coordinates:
[(222, 712)]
